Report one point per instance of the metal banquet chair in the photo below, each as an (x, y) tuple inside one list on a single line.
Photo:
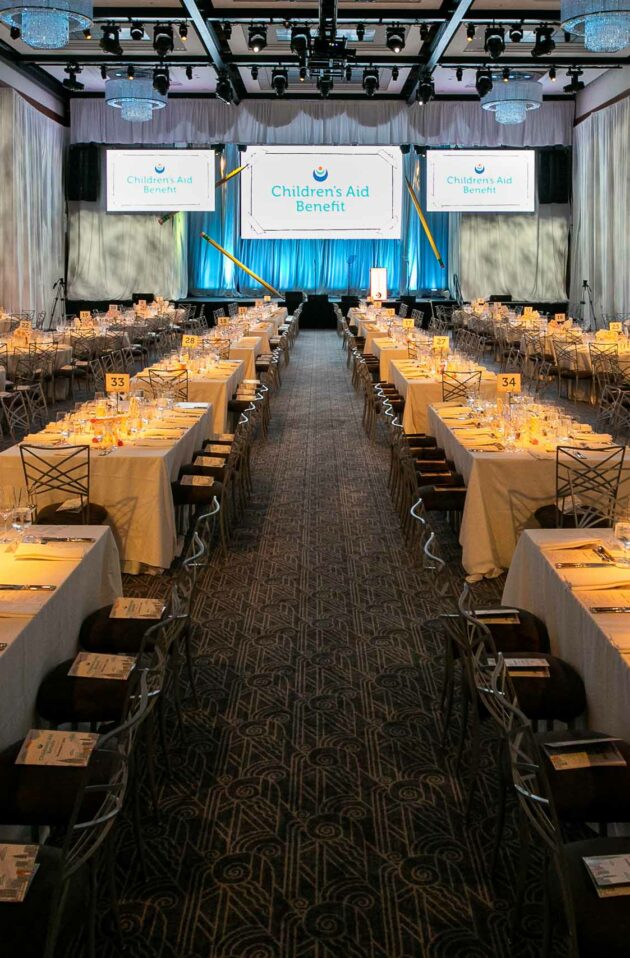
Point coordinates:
[(63, 474), (171, 383), (587, 486), (458, 386)]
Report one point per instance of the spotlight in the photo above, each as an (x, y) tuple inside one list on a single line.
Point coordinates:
[(370, 81), (136, 30), (424, 32), (544, 41), (183, 31), (360, 32), (224, 89), (279, 80), (516, 32), (459, 74), (552, 74), (227, 30), (130, 72), (483, 82), (348, 73), (405, 148), (103, 72), (257, 39), (87, 33), (303, 74), (71, 83), (576, 84), (300, 40), (189, 72), (505, 76), (163, 39), (470, 32), (395, 38), (110, 41), (325, 84), (494, 43), (395, 73), (254, 73), (15, 33), (426, 90), (161, 80)]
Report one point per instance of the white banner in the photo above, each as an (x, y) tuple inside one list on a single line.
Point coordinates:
[(143, 181), (481, 181)]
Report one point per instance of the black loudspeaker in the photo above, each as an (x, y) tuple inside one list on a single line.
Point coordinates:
[(292, 299), (147, 297), (83, 176), (554, 175)]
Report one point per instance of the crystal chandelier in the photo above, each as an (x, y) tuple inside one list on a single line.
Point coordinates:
[(46, 24), (136, 99), (511, 101), (605, 24)]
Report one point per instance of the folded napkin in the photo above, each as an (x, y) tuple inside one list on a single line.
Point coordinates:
[(603, 584), (68, 551), (45, 439), (163, 432), (153, 443), (561, 541), (471, 433), (14, 605), (473, 444)]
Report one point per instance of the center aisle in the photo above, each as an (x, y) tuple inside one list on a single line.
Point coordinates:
[(312, 811)]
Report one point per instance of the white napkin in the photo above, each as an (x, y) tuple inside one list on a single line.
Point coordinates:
[(561, 541), (68, 551), (150, 443), (613, 583)]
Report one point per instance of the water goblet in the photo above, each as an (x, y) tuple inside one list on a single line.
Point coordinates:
[(622, 535)]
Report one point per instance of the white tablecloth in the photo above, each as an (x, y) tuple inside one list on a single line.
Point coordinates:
[(385, 350), (216, 390), (134, 485), (37, 644), (598, 646), (247, 348), (419, 394)]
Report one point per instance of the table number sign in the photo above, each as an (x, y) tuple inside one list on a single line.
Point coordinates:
[(113, 309), (117, 382), (614, 327), (191, 342), (223, 321), (242, 310), (85, 314), (509, 383), (560, 317), (441, 344), (142, 303), (528, 310), (407, 324)]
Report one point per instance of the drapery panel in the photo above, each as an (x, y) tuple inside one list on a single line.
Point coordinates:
[(522, 254), (439, 123), (601, 210), (31, 204), (335, 266)]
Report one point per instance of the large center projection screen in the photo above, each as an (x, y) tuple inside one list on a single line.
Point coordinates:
[(332, 192), (481, 181)]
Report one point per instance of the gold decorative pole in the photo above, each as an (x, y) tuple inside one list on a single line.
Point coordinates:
[(242, 266), (425, 225), (228, 176)]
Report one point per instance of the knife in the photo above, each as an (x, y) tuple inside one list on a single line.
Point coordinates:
[(44, 539), (7, 587), (583, 565), (610, 608)]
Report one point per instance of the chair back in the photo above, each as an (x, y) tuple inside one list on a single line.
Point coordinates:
[(63, 470), (402, 310), (458, 385), (587, 484), (169, 382)]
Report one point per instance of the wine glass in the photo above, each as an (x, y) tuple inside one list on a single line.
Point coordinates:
[(622, 535), (7, 498), (23, 511)]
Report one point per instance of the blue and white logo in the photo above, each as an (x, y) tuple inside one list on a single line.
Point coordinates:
[(320, 173), (479, 169), (159, 168)]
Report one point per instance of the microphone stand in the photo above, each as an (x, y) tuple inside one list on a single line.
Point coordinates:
[(587, 297), (59, 301)]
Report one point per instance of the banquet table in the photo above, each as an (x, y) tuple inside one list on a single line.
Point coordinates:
[(247, 348), (503, 491), (63, 354), (597, 645), (419, 392), (133, 483), (36, 643), (217, 387), (386, 349)]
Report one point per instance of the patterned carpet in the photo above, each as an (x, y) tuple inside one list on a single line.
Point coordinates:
[(313, 812)]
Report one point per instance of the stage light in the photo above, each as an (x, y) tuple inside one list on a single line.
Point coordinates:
[(470, 32), (544, 41), (552, 74), (87, 33), (130, 72), (370, 81), (459, 74), (226, 29), (424, 32), (71, 83), (303, 74), (15, 33), (483, 82), (325, 84), (348, 73), (426, 91), (395, 38), (300, 40), (505, 76), (183, 31), (576, 84), (395, 73), (254, 73), (163, 39), (279, 80), (494, 43), (136, 30), (360, 32), (224, 89), (103, 72), (189, 72), (110, 41), (516, 32), (161, 80), (257, 38)]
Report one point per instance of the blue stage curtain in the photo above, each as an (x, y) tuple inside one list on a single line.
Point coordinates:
[(331, 266)]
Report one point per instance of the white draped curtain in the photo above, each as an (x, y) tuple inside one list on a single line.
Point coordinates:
[(521, 254), (439, 123), (601, 210), (32, 222)]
